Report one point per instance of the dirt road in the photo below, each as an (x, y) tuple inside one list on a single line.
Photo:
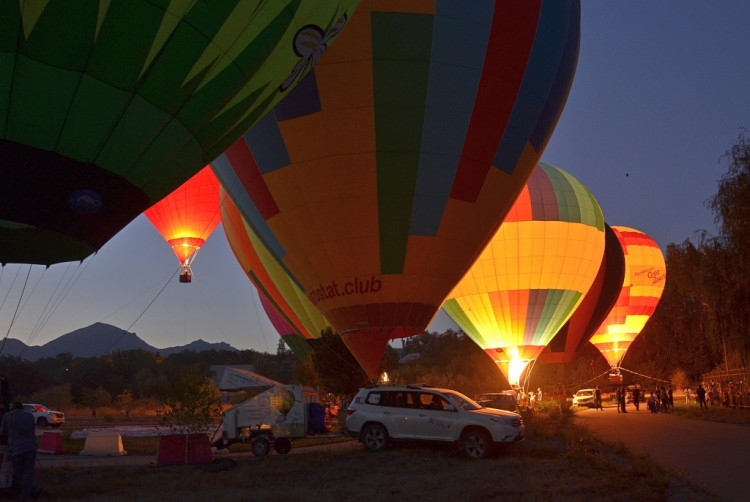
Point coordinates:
[(711, 454)]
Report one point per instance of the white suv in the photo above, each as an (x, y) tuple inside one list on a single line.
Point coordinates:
[(381, 414), (43, 416)]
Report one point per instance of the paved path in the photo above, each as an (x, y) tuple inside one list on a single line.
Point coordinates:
[(711, 454)]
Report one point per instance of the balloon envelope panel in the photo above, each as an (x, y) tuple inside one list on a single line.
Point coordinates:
[(106, 107), (643, 284), (296, 342), (534, 272), (273, 284), (378, 180)]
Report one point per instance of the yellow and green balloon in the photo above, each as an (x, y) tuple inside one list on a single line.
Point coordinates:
[(533, 274)]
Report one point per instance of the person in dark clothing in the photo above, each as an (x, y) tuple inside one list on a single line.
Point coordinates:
[(636, 397), (652, 403), (670, 396), (598, 399), (701, 393), (19, 427), (617, 399)]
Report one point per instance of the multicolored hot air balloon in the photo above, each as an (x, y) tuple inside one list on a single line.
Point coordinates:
[(187, 216), (301, 320), (108, 106), (298, 344), (377, 182), (534, 272), (594, 307), (642, 287)]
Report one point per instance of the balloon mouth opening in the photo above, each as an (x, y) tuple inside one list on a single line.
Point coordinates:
[(185, 248)]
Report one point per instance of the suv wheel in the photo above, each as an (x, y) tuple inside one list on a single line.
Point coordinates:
[(374, 437), (477, 444), (41, 422)]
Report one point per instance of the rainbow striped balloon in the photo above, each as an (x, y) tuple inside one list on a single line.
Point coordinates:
[(534, 273)]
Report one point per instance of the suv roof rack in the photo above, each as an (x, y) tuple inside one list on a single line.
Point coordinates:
[(419, 386)]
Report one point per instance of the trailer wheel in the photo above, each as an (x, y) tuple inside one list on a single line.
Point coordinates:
[(260, 447), (282, 445)]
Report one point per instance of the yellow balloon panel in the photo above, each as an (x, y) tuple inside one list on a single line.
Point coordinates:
[(535, 270)]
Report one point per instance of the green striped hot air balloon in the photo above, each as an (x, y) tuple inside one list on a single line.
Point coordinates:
[(107, 106)]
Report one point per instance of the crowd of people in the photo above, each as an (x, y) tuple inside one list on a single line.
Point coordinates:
[(714, 393), (661, 398), (530, 399)]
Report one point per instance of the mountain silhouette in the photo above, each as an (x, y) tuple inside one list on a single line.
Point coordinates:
[(97, 340)]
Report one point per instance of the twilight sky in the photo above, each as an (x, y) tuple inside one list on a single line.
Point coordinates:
[(661, 92)]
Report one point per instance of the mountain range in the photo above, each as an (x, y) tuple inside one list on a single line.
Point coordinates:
[(97, 340)]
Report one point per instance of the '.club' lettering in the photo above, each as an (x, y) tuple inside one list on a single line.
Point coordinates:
[(356, 286)]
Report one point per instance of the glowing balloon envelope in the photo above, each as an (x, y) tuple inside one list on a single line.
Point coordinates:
[(594, 307), (380, 178), (187, 216), (108, 106), (642, 287), (534, 272)]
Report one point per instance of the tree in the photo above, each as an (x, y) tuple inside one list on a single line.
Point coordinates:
[(95, 398), (192, 403), (125, 401), (338, 370), (731, 259)]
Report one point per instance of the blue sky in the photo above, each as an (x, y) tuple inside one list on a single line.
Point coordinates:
[(660, 93)]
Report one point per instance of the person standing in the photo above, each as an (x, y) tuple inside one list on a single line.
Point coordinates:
[(598, 399), (636, 397), (670, 396), (701, 393), (652, 403), (623, 398), (19, 427)]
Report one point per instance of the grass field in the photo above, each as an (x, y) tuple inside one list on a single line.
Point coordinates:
[(558, 461)]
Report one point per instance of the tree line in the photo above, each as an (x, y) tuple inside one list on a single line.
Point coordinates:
[(701, 323)]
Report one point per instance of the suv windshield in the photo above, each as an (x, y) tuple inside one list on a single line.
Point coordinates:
[(461, 401)]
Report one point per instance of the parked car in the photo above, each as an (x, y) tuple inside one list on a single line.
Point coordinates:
[(43, 416), (381, 414), (584, 397), (505, 400)]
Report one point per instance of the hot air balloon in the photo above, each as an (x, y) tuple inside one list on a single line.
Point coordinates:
[(106, 107), (286, 301), (187, 216), (379, 179), (297, 343), (594, 307), (642, 287), (534, 273)]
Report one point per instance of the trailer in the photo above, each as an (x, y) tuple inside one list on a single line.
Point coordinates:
[(273, 415)]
